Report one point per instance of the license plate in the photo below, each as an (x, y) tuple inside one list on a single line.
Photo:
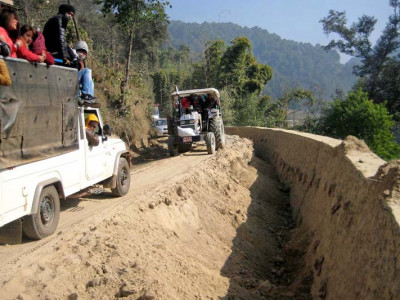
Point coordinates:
[(187, 139)]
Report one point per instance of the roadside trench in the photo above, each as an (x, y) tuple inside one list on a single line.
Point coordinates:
[(220, 230)]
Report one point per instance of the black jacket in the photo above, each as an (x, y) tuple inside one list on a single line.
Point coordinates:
[(54, 34)]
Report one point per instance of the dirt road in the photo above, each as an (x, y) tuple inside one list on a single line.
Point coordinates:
[(191, 227)]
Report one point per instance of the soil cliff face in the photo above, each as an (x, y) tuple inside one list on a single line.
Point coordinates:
[(345, 203)]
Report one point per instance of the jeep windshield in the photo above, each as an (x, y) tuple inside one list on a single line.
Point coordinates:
[(161, 122)]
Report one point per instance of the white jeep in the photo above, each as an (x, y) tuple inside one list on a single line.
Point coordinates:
[(45, 155), (196, 120)]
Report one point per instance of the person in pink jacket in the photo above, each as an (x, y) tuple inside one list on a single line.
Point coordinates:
[(39, 45)]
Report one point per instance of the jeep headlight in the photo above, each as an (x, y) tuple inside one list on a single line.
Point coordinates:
[(214, 112)]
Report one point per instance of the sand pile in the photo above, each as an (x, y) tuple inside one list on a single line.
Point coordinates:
[(218, 233)]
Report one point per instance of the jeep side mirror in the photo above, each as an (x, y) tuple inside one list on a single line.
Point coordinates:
[(107, 129)]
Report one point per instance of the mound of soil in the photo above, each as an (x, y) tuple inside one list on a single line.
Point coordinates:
[(218, 233)]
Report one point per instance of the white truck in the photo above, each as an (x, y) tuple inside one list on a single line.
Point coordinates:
[(44, 153)]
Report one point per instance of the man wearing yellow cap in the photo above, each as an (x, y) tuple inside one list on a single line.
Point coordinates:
[(91, 123)]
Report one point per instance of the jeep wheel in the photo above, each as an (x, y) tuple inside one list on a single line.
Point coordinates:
[(172, 149), (210, 142), (123, 178), (45, 221), (217, 127)]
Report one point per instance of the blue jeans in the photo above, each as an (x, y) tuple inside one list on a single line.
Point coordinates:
[(86, 83)]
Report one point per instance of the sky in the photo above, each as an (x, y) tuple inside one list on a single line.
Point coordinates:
[(296, 20)]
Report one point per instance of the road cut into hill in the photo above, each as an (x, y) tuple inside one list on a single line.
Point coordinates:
[(195, 226), (345, 204)]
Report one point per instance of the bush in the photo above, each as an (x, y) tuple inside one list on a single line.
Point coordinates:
[(359, 116)]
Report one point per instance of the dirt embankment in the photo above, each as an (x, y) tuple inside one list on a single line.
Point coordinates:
[(345, 202), (217, 233)]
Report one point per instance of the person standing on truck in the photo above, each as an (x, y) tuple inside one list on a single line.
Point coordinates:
[(9, 30), (54, 35), (91, 123)]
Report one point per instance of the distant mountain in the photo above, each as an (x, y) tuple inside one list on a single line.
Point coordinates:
[(295, 64)]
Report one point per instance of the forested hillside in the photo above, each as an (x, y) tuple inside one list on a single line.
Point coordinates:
[(138, 57), (294, 64)]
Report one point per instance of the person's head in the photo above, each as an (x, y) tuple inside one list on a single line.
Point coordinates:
[(38, 43), (91, 122), (67, 10), (210, 96), (27, 32), (9, 20), (82, 50)]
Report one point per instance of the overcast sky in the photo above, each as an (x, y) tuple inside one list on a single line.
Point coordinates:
[(296, 20)]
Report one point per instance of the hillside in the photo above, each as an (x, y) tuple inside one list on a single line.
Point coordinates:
[(294, 63)]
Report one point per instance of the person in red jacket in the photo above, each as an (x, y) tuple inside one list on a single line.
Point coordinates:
[(23, 43), (9, 29)]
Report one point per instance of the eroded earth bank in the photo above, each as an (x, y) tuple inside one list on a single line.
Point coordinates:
[(192, 227)]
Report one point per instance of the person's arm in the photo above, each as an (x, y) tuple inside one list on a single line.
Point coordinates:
[(4, 75), (49, 58), (24, 53), (92, 138), (61, 36)]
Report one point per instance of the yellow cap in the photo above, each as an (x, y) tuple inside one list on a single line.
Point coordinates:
[(90, 118)]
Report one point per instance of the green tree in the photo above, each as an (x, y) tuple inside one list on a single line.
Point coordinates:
[(359, 116), (131, 14), (36, 12), (212, 60), (233, 62), (240, 70), (162, 90), (355, 41), (276, 112), (389, 83)]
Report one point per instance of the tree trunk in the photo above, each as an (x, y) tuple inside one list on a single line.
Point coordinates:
[(25, 12), (124, 83)]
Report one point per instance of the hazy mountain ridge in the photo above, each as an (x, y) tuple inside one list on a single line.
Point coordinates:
[(294, 63)]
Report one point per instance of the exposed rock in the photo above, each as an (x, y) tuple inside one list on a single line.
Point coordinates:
[(94, 282), (73, 296)]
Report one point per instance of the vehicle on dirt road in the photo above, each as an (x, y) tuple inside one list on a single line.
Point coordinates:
[(161, 126), (45, 155), (196, 117)]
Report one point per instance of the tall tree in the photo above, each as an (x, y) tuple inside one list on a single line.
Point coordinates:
[(212, 60), (233, 62), (131, 14), (355, 41), (240, 70)]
